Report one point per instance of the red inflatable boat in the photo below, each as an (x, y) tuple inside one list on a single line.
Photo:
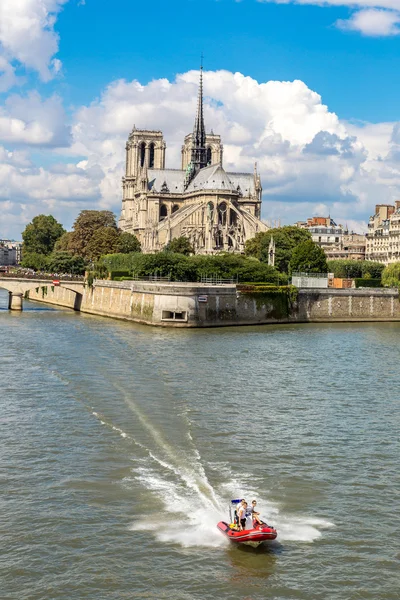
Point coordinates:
[(254, 536)]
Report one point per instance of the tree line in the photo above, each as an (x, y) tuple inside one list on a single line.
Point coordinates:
[(96, 243), (48, 247)]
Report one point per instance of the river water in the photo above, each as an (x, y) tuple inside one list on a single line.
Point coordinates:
[(121, 445)]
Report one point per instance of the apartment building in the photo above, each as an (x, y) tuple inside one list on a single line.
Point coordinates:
[(383, 237), (335, 240)]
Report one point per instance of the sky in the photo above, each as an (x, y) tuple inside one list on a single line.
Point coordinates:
[(307, 89)]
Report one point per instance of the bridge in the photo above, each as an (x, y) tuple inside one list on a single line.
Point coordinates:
[(17, 287)]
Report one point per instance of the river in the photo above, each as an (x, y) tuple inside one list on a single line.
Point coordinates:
[(121, 446)]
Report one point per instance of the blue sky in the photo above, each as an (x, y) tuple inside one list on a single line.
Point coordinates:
[(68, 99)]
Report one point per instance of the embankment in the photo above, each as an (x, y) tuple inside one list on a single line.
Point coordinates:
[(196, 305)]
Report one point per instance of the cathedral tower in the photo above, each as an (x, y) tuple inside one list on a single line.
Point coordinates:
[(145, 148)]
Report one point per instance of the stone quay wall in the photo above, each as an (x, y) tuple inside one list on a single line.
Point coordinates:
[(195, 305)]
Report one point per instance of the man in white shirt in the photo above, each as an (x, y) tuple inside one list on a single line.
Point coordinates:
[(242, 515)]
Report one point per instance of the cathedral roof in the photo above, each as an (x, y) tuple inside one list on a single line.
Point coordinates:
[(243, 183), (171, 181), (213, 177)]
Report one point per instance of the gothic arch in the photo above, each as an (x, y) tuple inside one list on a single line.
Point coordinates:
[(209, 155), (175, 208), (222, 212), (142, 153), (151, 155), (163, 212)]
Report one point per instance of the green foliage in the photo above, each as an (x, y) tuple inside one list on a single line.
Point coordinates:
[(34, 260), (180, 245), (361, 282), (127, 243), (103, 241), (41, 234), (90, 279), (192, 268), (307, 257), (64, 262), (85, 227), (116, 275), (277, 299), (285, 238), (391, 275), (63, 243), (350, 269)]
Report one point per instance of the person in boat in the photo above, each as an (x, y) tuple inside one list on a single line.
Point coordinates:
[(236, 513), (241, 511), (254, 514)]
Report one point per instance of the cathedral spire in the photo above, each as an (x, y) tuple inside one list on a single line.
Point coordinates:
[(199, 153)]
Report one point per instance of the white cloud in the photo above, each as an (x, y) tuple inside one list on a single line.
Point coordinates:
[(27, 36), (308, 158), (393, 4), (377, 18), (32, 121), (373, 22), (304, 152)]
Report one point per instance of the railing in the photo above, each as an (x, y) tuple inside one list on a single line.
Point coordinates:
[(321, 275), (216, 280), (153, 277)]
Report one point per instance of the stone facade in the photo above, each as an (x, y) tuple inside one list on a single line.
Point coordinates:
[(214, 209), (335, 240), (383, 237)]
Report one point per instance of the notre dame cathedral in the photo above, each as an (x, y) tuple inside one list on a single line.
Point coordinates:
[(215, 210)]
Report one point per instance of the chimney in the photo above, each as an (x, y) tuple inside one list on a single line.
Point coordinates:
[(397, 204)]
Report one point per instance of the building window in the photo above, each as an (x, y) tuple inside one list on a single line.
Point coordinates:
[(209, 155), (222, 213), (175, 208), (163, 212), (142, 153), (151, 156)]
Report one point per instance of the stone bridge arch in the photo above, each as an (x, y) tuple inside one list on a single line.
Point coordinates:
[(17, 287)]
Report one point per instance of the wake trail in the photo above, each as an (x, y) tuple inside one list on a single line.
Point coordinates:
[(193, 474)]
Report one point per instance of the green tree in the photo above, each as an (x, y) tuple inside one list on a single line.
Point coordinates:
[(64, 262), (127, 243), (86, 225), (286, 239), (41, 234), (35, 261), (307, 257), (180, 245), (63, 243), (353, 269), (192, 268), (391, 275), (371, 269), (103, 241)]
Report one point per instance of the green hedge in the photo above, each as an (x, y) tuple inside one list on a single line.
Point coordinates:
[(367, 283), (190, 268), (122, 278), (349, 269), (116, 275)]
